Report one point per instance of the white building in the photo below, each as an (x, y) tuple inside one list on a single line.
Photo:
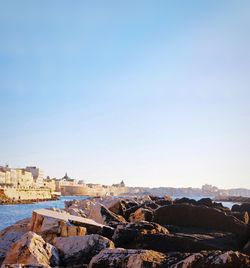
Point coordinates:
[(38, 175)]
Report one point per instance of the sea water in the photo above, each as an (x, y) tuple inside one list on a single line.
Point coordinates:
[(10, 214)]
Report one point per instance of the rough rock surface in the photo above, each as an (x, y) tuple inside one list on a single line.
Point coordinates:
[(246, 248), (92, 207), (76, 212), (80, 249), (141, 214), (11, 234), (242, 216), (122, 258), (185, 200), (128, 234), (212, 259), (110, 218), (241, 208), (201, 217), (181, 242), (31, 249), (208, 202), (50, 224)]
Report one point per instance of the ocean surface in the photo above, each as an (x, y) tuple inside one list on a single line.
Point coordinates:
[(10, 214)]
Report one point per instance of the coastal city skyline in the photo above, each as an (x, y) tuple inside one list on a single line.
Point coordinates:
[(153, 93), (20, 183), (35, 177)]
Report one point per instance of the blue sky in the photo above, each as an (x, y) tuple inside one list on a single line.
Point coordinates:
[(153, 92)]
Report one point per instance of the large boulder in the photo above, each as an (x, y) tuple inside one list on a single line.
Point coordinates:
[(149, 235), (118, 207), (128, 258), (80, 250), (146, 204), (110, 218), (181, 242), (128, 234), (11, 234), (241, 208), (201, 217), (31, 249), (91, 208), (50, 224), (185, 200)]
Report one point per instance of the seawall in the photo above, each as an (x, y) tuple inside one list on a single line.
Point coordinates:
[(14, 195), (92, 191)]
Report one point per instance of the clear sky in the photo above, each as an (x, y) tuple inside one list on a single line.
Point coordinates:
[(153, 92)]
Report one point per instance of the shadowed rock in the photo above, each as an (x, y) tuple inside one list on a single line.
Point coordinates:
[(184, 242), (141, 214), (185, 200), (246, 248), (110, 218), (201, 217), (242, 216), (241, 208), (125, 235)]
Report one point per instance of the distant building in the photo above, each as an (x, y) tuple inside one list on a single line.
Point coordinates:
[(121, 184), (8, 176), (50, 183), (208, 189), (24, 178), (65, 181), (38, 175), (5, 176)]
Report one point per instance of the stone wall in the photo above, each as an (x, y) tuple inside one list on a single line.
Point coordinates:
[(26, 194), (92, 191), (73, 190)]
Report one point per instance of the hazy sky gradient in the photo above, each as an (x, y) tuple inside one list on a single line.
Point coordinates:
[(153, 92)]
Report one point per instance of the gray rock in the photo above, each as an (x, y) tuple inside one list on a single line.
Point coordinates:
[(130, 258), (11, 234), (80, 249), (31, 249), (50, 224)]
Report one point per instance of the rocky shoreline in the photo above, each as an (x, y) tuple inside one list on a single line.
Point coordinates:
[(133, 232)]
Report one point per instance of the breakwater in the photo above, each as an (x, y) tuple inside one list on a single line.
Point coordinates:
[(134, 232)]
